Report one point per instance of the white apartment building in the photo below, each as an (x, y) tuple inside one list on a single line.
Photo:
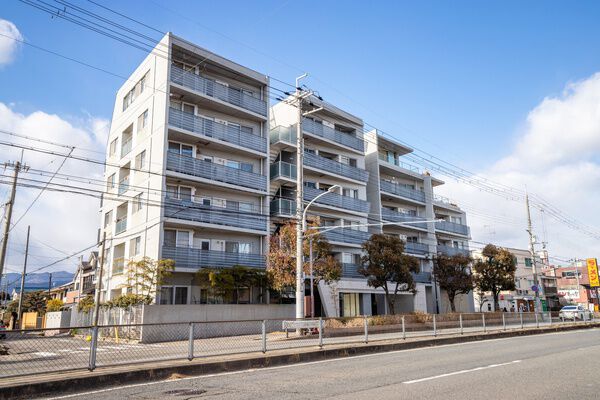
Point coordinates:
[(187, 174)]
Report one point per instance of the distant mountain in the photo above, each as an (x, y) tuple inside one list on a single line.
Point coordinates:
[(36, 280)]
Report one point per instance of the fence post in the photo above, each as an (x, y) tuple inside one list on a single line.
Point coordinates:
[(264, 336), (460, 323), (403, 329), (521, 315), (585, 318), (366, 329), (93, 348), (434, 326), (483, 321), (537, 321), (320, 332), (503, 322), (550, 317), (191, 342)]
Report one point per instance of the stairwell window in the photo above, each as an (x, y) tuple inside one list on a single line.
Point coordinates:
[(140, 160), (112, 148), (137, 203), (107, 218), (134, 246), (142, 121), (110, 182)]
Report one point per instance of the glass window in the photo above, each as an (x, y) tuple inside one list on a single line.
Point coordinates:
[(181, 294), (107, 218), (143, 83), (232, 164), (140, 160), (245, 248), (232, 247), (137, 203), (246, 167), (134, 246), (187, 150), (170, 237), (110, 182), (183, 239), (245, 207), (113, 147), (166, 295), (185, 193), (171, 191), (188, 108)]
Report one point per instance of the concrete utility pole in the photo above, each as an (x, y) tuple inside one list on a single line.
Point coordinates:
[(99, 282), (538, 304), (299, 204), (17, 166), (23, 277)]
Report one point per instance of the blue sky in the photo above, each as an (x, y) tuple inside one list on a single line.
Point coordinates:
[(472, 82)]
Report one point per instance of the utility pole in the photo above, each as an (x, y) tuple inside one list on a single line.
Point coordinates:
[(49, 283), (538, 304), (99, 281), (23, 278), (299, 204), (17, 166)]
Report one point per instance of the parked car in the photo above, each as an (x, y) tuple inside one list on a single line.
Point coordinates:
[(574, 312)]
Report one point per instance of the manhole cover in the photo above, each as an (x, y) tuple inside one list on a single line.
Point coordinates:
[(185, 392)]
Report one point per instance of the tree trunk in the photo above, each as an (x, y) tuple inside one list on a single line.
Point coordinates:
[(451, 301), (496, 304), (390, 302)]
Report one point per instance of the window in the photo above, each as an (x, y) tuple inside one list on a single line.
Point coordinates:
[(134, 246), (181, 149), (107, 218), (166, 295), (112, 149), (140, 160), (348, 161), (173, 295), (179, 192), (110, 182), (170, 238), (137, 203), (181, 295), (142, 83), (311, 185), (185, 107), (128, 99), (351, 193), (528, 262), (142, 121)]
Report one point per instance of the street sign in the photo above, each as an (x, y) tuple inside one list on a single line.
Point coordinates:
[(534, 288), (300, 324), (593, 272)]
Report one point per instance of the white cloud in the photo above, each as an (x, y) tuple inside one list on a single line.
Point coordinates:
[(557, 156), (8, 46), (66, 221)]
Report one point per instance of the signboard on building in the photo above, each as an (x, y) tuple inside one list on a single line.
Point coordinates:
[(592, 266), (570, 294)]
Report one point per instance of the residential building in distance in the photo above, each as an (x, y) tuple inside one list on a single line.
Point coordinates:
[(84, 280), (187, 171), (573, 285)]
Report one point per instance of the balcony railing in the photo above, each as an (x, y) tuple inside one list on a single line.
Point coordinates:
[(190, 211), (283, 207), (217, 90), (402, 191), (123, 185), (336, 200), (282, 169), (209, 128), (284, 134), (416, 248), (422, 277), (398, 163), (126, 147), (326, 132), (335, 167), (351, 271), (186, 257), (121, 225), (347, 235), (452, 227), (451, 251), (395, 216), (215, 172)]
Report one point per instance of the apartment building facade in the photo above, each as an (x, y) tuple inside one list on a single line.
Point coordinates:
[(186, 173)]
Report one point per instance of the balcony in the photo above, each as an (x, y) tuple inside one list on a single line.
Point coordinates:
[(422, 277), (211, 88), (190, 211), (186, 257), (126, 147), (452, 227), (211, 129), (123, 186), (121, 225), (451, 251), (351, 271), (334, 135), (283, 207), (215, 172), (396, 162), (336, 200), (395, 216), (335, 167), (415, 248), (282, 169), (283, 134), (347, 236), (402, 191)]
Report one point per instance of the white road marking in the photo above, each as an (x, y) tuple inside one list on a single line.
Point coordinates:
[(45, 354), (464, 371)]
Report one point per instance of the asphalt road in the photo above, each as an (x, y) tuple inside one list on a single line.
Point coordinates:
[(551, 366)]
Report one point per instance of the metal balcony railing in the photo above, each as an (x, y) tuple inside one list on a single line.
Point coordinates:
[(217, 90), (450, 251), (452, 227), (123, 186), (283, 134), (416, 248), (351, 271), (282, 169), (402, 191), (335, 167), (190, 211), (121, 225), (346, 139), (398, 163), (215, 172), (395, 216), (209, 128), (347, 235), (126, 147), (187, 257), (422, 277), (283, 207), (336, 200)]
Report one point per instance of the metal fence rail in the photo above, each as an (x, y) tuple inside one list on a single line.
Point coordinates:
[(41, 351)]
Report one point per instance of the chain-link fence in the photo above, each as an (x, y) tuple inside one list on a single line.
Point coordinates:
[(26, 352)]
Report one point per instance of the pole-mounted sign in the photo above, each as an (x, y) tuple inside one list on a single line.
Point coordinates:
[(592, 266)]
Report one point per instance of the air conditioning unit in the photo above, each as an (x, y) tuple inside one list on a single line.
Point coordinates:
[(403, 237)]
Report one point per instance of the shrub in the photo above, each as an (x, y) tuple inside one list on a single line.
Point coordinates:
[(54, 305)]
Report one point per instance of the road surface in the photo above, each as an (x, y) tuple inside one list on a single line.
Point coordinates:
[(550, 366)]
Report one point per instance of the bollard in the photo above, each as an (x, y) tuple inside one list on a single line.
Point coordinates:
[(550, 318), (483, 321), (521, 315), (264, 336), (403, 329), (191, 342), (434, 326), (366, 329), (93, 348), (503, 322), (585, 318), (461, 323), (537, 321), (320, 332)]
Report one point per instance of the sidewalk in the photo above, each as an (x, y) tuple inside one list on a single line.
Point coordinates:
[(64, 382)]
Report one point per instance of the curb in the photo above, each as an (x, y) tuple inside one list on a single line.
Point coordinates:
[(137, 373)]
